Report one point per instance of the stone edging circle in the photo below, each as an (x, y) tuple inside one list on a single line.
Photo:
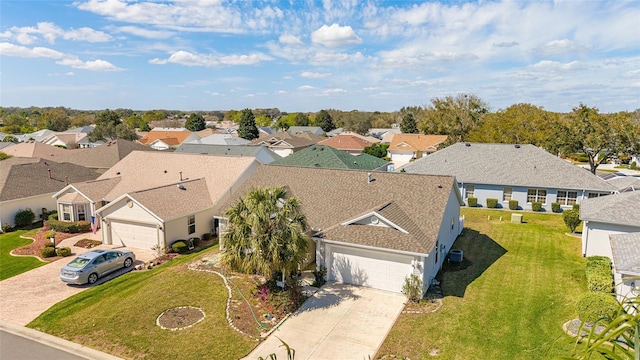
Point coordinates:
[(182, 328)]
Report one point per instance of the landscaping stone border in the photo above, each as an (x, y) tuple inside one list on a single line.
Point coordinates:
[(182, 328)]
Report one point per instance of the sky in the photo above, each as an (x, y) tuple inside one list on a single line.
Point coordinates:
[(308, 55)]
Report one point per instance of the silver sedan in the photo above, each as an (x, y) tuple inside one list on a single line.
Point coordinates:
[(88, 267)]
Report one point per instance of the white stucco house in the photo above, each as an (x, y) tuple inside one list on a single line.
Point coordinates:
[(506, 172), (151, 199), (362, 232)]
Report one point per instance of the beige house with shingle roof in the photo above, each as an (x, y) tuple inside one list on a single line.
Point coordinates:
[(155, 198), (407, 147), (370, 229)]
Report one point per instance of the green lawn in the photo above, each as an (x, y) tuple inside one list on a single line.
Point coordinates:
[(14, 265), (119, 317), (510, 303)]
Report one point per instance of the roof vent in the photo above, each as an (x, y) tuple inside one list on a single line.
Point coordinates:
[(467, 144), (181, 187), (517, 146)]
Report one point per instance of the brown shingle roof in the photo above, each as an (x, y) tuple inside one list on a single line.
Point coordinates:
[(331, 197), (104, 156), (38, 150), (416, 142), (346, 142), (21, 178), (171, 201), (174, 136)]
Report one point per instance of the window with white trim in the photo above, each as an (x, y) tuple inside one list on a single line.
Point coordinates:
[(66, 212), (81, 212), (539, 195), (192, 224), (470, 189), (506, 193), (566, 197)]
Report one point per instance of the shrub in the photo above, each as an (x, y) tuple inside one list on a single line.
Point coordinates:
[(195, 241), (412, 288), (63, 252), (576, 207), (599, 276), (49, 244), (472, 201), (7, 228), (180, 247), (536, 206), (571, 219), (48, 252), (594, 306), (69, 227), (24, 218), (492, 203), (48, 235), (633, 165), (513, 204), (555, 207), (53, 216), (206, 236)]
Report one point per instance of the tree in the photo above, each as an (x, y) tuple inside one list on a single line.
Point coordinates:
[(263, 120), (56, 120), (599, 136), (109, 127), (16, 123), (454, 116), (408, 124), (266, 233), (378, 150), (195, 122), (302, 119), (325, 121), (4, 156), (247, 127), (571, 219), (10, 138)]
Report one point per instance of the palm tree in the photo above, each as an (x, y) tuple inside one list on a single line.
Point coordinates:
[(266, 232)]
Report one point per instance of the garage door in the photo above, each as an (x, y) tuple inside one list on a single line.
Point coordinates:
[(370, 268), (134, 235)]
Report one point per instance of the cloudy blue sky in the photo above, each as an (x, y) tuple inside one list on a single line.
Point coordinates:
[(310, 55)]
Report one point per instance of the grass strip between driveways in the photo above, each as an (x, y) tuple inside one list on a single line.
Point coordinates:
[(510, 303), (14, 265), (119, 316)]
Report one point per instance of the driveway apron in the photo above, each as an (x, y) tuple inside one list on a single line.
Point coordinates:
[(340, 321)]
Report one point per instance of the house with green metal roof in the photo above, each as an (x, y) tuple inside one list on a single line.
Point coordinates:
[(321, 156)]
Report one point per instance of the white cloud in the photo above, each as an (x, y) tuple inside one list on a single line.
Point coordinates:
[(335, 36), (334, 91), (506, 44), (289, 39), (190, 59), (548, 65), (561, 47), (93, 65), (314, 75), (306, 87), (50, 32), (8, 49), (145, 33)]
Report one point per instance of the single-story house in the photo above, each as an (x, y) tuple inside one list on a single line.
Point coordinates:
[(626, 265), (103, 157), (329, 157), (263, 154), (161, 138), (347, 142), (385, 135), (150, 199), (64, 139), (408, 147), (604, 216), (220, 139), (314, 130), (285, 144), (34, 149), (34, 136), (30, 183), (370, 229), (512, 172), (625, 183)]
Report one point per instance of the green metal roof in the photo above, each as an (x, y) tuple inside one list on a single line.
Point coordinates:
[(328, 157)]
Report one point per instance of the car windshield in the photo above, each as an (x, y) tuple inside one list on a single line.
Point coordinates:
[(78, 262)]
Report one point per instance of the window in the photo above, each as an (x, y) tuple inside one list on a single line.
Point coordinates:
[(469, 192), (81, 211), (452, 223), (66, 212), (192, 224), (595, 195), (567, 197), (506, 194), (437, 250), (539, 195)]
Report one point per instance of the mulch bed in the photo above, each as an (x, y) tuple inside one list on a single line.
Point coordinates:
[(180, 318), (39, 243)]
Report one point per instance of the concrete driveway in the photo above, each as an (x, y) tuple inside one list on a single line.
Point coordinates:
[(25, 296), (340, 321)]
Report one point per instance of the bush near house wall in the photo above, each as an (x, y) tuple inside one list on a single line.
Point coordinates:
[(633, 165), (472, 201), (599, 276), (593, 306), (555, 207), (67, 226), (180, 246), (576, 207), (536, 206), (24, 218), (206, 236), (492, 203), (513, 204)]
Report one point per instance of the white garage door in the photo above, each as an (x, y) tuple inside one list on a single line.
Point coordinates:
[(134, 235), (374, 269)]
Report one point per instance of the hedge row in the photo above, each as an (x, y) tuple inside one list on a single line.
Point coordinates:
[(492, 203), (600, 302), (67, 226), (599, 278)]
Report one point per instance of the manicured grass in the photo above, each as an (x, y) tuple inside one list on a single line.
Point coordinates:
[(510, 303), (119, 317), (14, 265)]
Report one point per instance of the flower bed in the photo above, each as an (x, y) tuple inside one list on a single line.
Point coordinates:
[(39, 242)]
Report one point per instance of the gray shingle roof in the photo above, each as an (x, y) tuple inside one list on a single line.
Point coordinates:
[(507, 164), (331, 197), (104, 156), (235, 150), (170, 201), (25, 177), (626, 253), (622, 209), (625, 183), (328, 157)]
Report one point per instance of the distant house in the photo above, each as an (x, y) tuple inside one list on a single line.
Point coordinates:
[(625, 183), (261, 153), (327, 157), (34, 149), (285, 144), (167, 138), (408, 147), (625, 250), (346, 142), (220, 139), (34, 136), (385, 135), (604, 216), (512, 172), (315, 130), (30, 183), (370, 229), (152, 198), (66, 140), (103, 157)]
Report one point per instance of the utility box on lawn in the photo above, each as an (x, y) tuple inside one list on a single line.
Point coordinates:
[(516, 218)]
